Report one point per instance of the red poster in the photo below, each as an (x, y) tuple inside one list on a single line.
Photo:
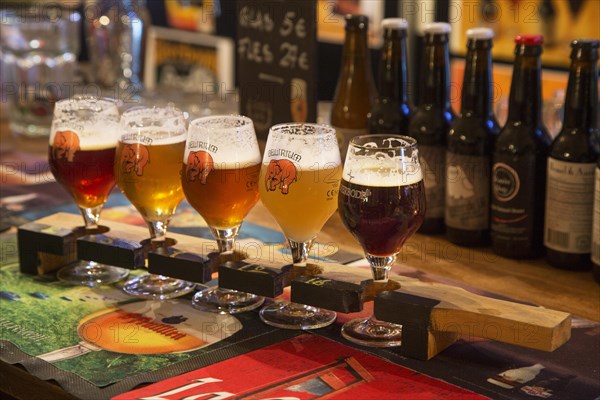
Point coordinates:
[(306, 367)]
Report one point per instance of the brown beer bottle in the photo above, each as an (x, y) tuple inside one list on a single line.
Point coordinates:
[(391, 111), (431, 121), (571, 165), (519, 160), (596, 225), (355, 92), (470, 144)]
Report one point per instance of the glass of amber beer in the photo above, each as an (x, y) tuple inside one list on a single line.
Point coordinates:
[(221, 165), (299, 180), (382, 203), (148, 167), (81, 153)]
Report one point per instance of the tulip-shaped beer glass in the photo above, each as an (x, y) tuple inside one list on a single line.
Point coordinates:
[(148, 168), (84, 135), (299, 180), (220, 180), (382, 203)]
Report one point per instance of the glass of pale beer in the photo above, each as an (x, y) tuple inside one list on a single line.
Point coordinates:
[(148, 167), (299, 180), (220, 173), (382, 203), (81, 153)]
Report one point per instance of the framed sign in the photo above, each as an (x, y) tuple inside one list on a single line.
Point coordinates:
[(277, 63), (192, 62)]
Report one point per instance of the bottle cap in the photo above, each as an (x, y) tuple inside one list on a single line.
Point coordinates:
[(394, 23), (437, 28), (356, 22), (584, 44), (529, 40), (480, 34)]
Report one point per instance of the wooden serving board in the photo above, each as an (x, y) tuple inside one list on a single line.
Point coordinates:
[(433, 315)]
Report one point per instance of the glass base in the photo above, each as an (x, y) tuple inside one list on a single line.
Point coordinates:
[(226, 301), (90, 273), (157, 287), (288, 315), (373, 333)]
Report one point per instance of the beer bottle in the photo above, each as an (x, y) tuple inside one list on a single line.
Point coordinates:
[(430, 123), (391, 111), (355, 92), (596, 225), (519, 160), (571, 165), (470, 143)]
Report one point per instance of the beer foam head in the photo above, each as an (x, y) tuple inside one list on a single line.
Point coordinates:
[(94, 120), (153, 126), (382, 160), (308, 145), (230, 140)]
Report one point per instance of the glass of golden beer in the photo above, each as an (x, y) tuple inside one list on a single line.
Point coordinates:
[(81, 153), (221, 166), (147, 168), (299, 181), (382, 203)]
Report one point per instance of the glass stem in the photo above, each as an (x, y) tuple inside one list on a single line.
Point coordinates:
[(381, 266), (158, 231), (91, 216), (225, 238), (300, 251)]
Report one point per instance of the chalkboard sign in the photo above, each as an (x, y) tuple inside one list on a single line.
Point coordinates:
[(276, 53)]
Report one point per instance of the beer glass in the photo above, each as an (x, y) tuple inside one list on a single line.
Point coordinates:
[(81, 152), (148, 167), (221, 165), (299, 180), (382, 203)]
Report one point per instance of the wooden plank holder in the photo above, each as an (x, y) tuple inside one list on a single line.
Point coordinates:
[(433, 315)]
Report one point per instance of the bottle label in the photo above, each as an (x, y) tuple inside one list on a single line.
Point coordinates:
[(569, 205), (467, 191), (433, 165), (513, 198), (596, 223), (344, 135)]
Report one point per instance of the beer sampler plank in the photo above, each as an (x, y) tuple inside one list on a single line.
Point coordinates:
[(433, 315)]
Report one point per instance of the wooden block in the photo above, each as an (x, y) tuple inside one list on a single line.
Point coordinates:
[(112, 248), (263, 278), (331, 294), (338, 288), (452, 309), (44, 246), (180, 263)]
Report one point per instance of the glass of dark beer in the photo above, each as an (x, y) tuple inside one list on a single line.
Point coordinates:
[(148, 168), (81, 153), (382, 203), (220, 173)]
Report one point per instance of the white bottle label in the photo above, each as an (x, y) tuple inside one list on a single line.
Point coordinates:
[(596, 224), (467, 191), (569, 206)]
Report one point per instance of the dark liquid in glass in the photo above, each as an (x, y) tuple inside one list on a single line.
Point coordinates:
[(381, 218)]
